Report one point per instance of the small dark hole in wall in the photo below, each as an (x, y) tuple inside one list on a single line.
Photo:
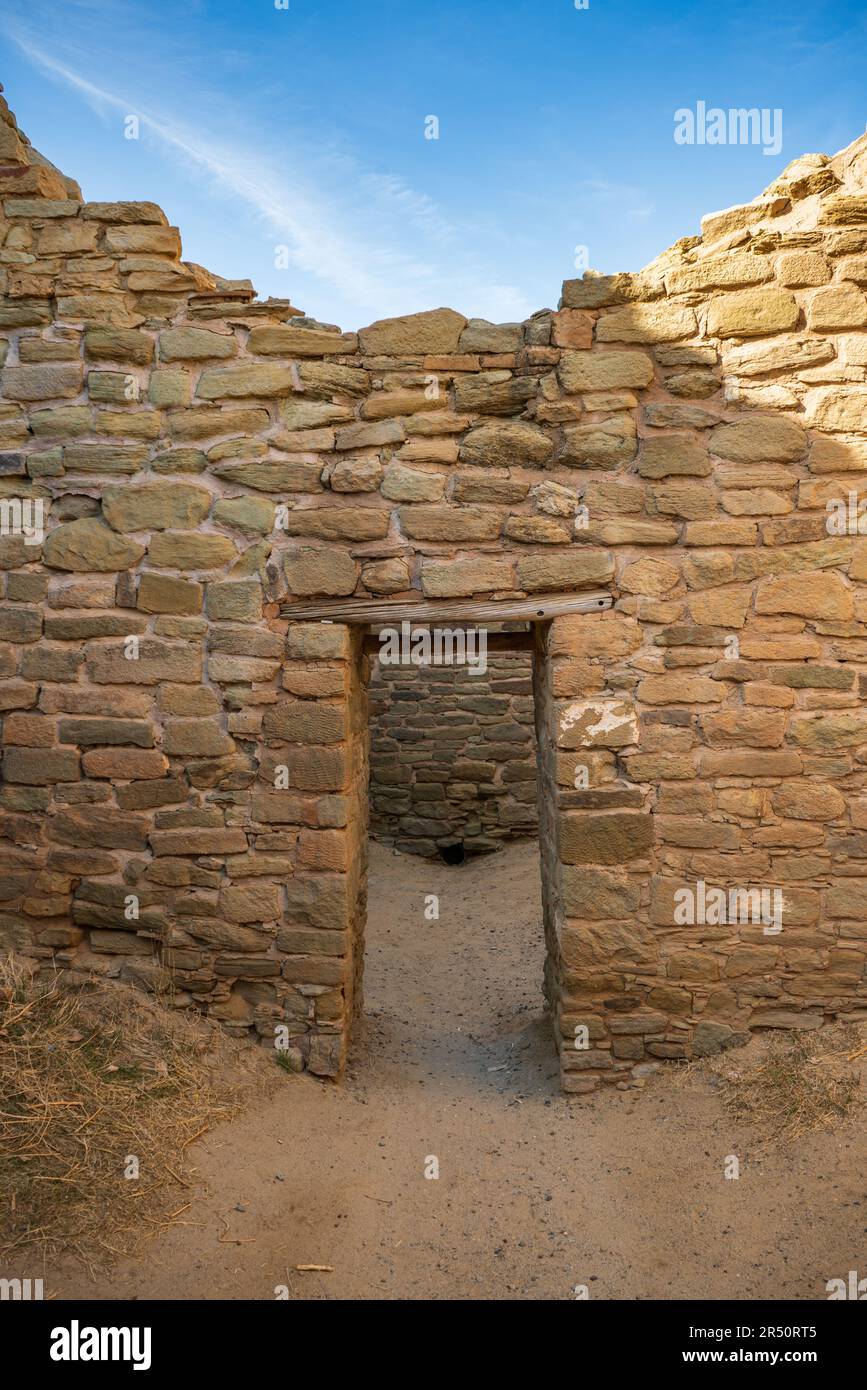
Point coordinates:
[(453, 854)]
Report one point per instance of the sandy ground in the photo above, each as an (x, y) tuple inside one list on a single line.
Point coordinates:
[(622, 1192)]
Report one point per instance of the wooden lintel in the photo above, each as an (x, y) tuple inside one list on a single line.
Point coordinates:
[(371, 611)]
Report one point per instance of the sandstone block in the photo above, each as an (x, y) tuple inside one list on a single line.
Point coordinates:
[(602, 723), (482, 336), (225, 935), (168, 387), (119, 943), (203, 422), (744, 727), (87, 826), (313, 415), (657, 322), (337, 523), (493, 393), (829, 408), (537, 530), (592, 635), (157, 661), (40, 767), (237, 601), (310, 769), (630, 531), (277, 476), (104, 458), (155, 506), (760, 439), (755, 763), (808, 801), (252, 515), (797, 268), (305, 721), (356, 475), (318, 901), (752, 313), (327, 572), (317, 642), (572, 328), (389, 405), (250, 902), (89, 546), (678, 688), (241, 669), (196, 842), (437, 331), (251, 379), (721, 607), (510, 443), (195, 345), (323, 380), (462, 578), (613, 838), (291, 341), (608, 444), (604, 371), (401, 484), (386, 577), (125, 764), (828, 732), (42, 382), (718, 272), (847, 898), (190, 550), (196, 738), (597, 894), (836, 308), (443, 523), (564, 570), (127, 345), (822, 594)]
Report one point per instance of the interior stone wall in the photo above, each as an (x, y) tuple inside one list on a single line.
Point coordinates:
[(185, 764), (453, 755)]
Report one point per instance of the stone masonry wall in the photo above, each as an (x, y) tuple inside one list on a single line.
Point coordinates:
[(185, 766), (453, 755)]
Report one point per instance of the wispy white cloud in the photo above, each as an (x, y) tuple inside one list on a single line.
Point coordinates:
[(316, 242), (379, 242), (633, 201)]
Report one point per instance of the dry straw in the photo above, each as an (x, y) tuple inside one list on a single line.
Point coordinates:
[(802, 1082), (88, 1080)]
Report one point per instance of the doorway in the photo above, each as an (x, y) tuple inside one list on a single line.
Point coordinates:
[(338, 642)]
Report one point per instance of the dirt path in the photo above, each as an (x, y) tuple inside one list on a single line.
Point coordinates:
[(623, 1193)]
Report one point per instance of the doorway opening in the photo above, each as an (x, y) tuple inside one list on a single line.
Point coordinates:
[(455, 945), (453, 751), (342, 639)]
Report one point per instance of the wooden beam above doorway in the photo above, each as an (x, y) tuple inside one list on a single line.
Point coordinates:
[(372, 611)]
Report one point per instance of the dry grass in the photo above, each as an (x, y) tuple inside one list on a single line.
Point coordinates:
[(86, 1080), (797, 1083)]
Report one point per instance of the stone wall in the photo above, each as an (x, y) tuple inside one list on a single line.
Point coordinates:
[(185, 765), (453, 755)]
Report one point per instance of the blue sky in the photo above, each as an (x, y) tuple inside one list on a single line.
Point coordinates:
[(304, 128)]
